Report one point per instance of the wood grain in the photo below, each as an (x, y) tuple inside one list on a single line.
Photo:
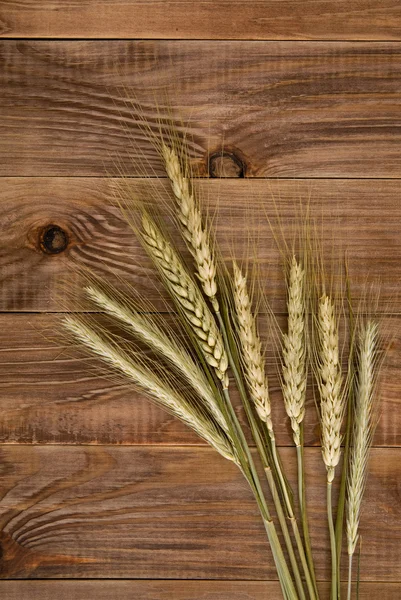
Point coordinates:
[(167, 514), (290, 19), (360, 217), (96, 483), (288, 109), (168, 590), (49, 394)]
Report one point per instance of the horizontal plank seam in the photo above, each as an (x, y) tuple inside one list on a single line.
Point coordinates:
[(247, 581), (203, 447), (58, 312), (201, 179), (6, 38)]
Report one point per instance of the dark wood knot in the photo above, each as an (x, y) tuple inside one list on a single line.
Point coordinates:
[(53, 239), (226, 164)]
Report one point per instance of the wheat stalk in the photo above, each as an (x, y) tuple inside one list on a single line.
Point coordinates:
[(187, 297), (362, 434), (257, 382), (294, 351), (253, 361), (332, 407), (161, 392), (190, 219), (293, 383), (251, 357), (148, 331)]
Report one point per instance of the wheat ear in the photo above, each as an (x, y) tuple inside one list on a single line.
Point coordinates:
[(329, 380), (190, 219), (148, 331), (362, 432), (156, 387), (187, 297), (294, 351), (251, 346)]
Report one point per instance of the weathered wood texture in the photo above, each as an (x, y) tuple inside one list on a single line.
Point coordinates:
[(141, 513), (49, 394), (169, 590), (164, 507), (209, 19), (357, 216), (288, 109)]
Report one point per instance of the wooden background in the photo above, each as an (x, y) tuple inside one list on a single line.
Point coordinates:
[(103, 495)]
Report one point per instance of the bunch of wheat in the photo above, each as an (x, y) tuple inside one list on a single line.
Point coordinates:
[(193, 379)]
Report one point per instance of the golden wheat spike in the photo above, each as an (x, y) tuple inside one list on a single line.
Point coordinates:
[(187, 297)]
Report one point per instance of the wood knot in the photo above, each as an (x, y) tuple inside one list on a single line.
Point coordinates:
[(226, 164), (53, 239)]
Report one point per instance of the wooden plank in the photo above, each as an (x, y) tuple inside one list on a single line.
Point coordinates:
[(260, 20), (141, 590), (360, 217), (159, 513), (165, 590), (286, 109), (49, 394)]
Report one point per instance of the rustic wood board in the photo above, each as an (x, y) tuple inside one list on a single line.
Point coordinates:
[(357, 216), (49, 394), (169, 590), (286, 109), (95, 482), (266, 19), (109, 511)]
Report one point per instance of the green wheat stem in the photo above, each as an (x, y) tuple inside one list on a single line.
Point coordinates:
[(294, 524), (342, 493), (358, 576), (284, 528), (267, 465), (332, 542), (300, 475), (350, 556), (344, 473), (254, 481), (303, 508)]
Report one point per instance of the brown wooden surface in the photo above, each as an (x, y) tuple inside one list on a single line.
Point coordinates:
[(168, 590), (163, 516), (180, 513), (48, 394), (360, 216), (208, 19), (287, 109)]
